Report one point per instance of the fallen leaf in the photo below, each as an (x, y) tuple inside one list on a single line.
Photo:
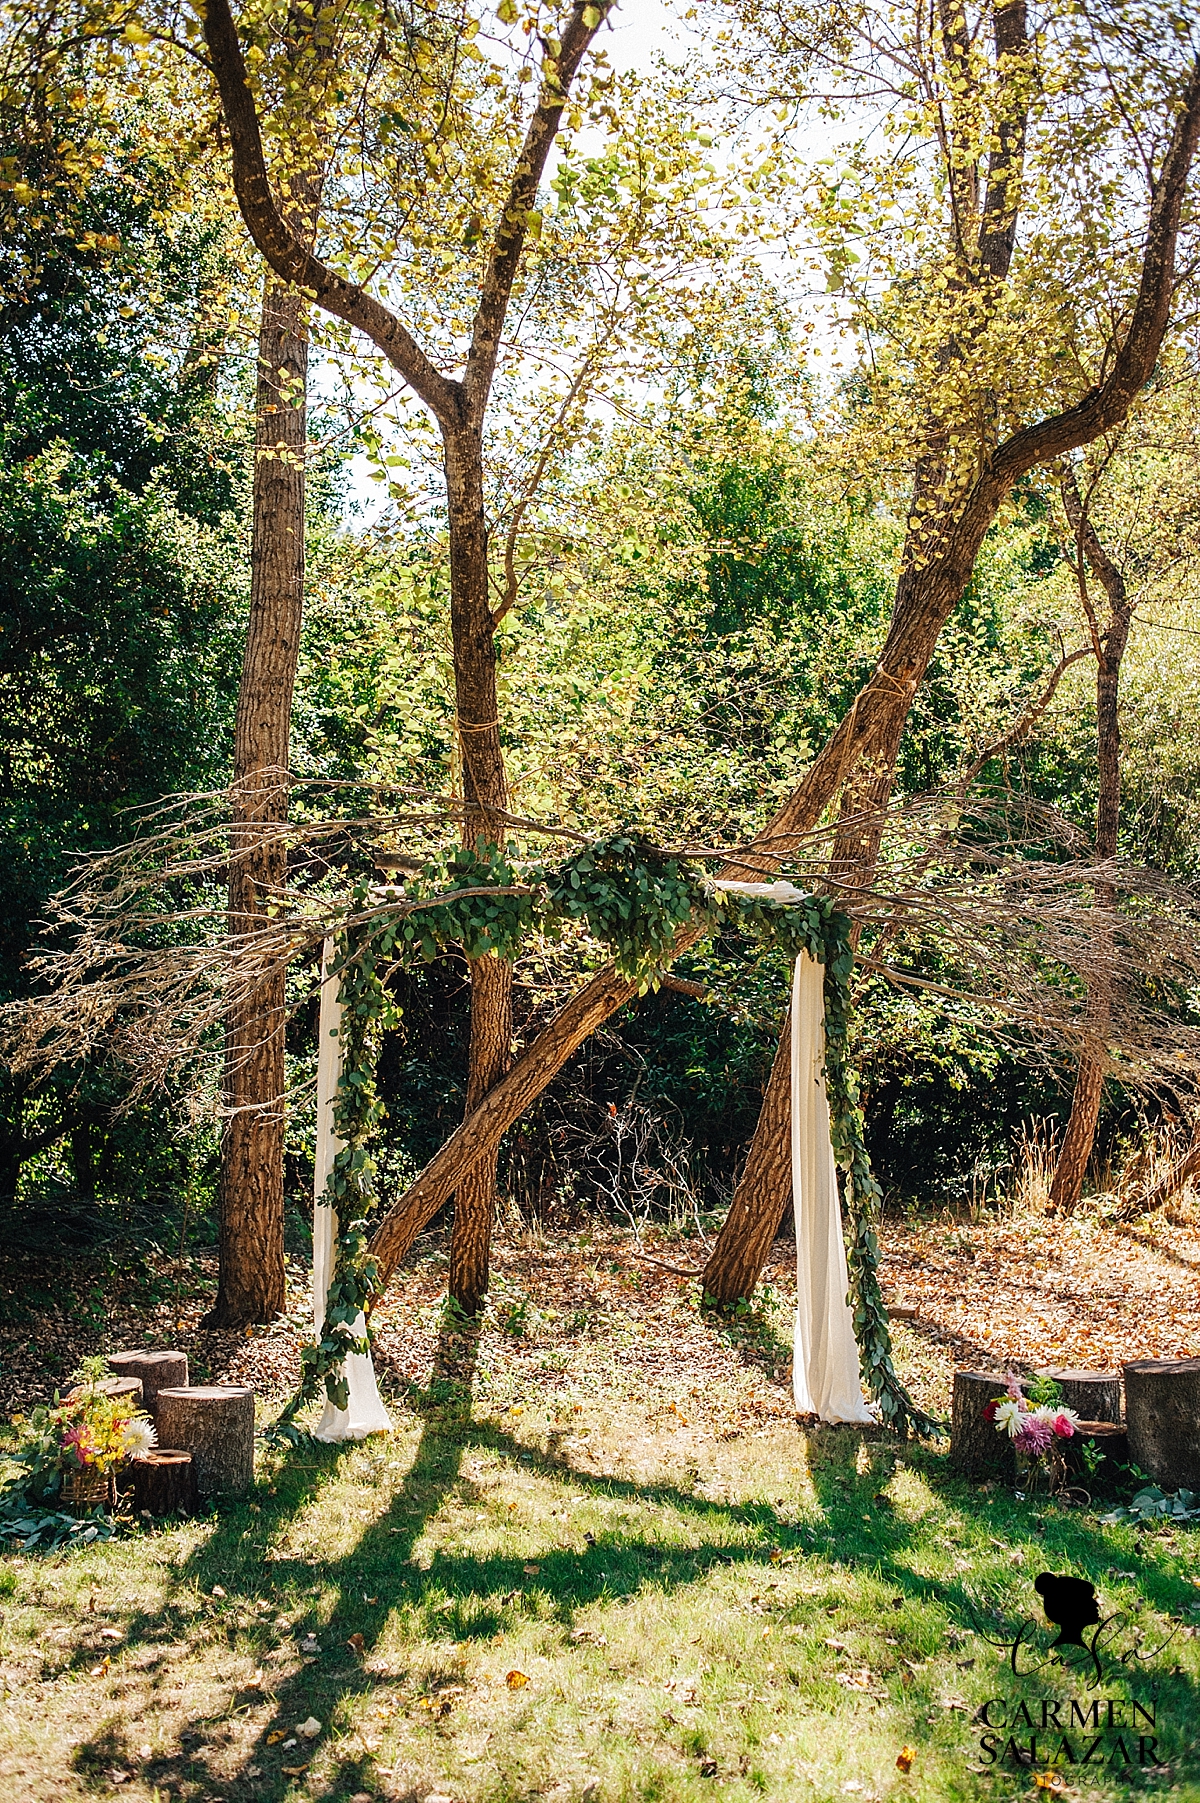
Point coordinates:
[(357, 1643), (98, 1671), (310, 1729), (110, 1633), (370, 1599), (516, 1680), (274, 1737), (218, 1590), (904, 1759), (839, 1646), (293, 1771), (531, 1571), (146, 1752)]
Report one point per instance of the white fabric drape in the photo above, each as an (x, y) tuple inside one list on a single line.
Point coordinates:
[(365, 1413), (825, 1363)]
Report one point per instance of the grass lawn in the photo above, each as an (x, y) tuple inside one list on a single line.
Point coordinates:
[(570, 1573)]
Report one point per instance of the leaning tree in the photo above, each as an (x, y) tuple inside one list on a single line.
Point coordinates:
[(985, 365)]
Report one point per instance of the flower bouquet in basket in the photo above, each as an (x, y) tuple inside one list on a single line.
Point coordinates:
[(1035, 1420), (68, 1453)]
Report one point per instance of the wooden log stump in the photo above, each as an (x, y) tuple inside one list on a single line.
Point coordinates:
[(128, 1387), (215, 1422), (157, 1370), (164, 1482), (1094, 1395), (976, 1448), (1162, 1418), (1110, 1441)]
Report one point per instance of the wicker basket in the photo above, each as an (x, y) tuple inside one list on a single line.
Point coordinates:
[(89, 1489)]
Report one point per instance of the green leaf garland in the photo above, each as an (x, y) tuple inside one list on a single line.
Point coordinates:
[(634, 899)]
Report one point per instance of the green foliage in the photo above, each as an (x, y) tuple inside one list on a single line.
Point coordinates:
[(1042, 1391), (637, 898), (484, 925), (632, 897), (1152, 1506)]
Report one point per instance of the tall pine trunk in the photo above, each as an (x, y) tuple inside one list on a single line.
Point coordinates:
[(252, 1286)]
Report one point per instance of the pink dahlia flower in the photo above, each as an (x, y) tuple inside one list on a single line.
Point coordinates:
[(1034, 1435)]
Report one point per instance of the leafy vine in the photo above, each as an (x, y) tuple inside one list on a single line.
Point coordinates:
[(633, 899), (367, 1012), (818, 928)]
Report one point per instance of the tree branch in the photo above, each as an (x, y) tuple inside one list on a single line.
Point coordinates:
[(280, 247), (1106, 406), (559, 69)]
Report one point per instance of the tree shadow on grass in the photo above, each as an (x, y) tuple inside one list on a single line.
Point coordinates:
[(387, 1580), (988, 1603)]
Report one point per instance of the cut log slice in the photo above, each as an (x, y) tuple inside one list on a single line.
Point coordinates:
[(157, 1370), (1094, 1395), (164, 1482), (1162, 1417), (215, 1422), (128, 1387), (977, 1449)]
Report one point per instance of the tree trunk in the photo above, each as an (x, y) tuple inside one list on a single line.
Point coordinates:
[(164, 1482), (1094, 1395), (1066, 1186), (252, 1284), (155, 1370), (1162, 1418), (977, 1447), (926, 595), (744, 1242), (485, 790)]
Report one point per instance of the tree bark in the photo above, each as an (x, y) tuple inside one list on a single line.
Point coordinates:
[(252, 1283), (1066, 1186), (1162, 1418), (164, 1482), (215, 1423), (155, 1370), (744, 1242), (927, 591), (485, 790), (977, 1449)]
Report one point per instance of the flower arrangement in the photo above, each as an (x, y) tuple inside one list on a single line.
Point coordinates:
[(1035, 1423), (67, 1447)]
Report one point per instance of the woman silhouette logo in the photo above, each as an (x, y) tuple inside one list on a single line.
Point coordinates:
[(1069, 1605)]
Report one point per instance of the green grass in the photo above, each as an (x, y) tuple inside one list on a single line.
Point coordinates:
[(763, 1615)]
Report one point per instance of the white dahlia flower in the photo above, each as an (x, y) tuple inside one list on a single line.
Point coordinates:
[(139, 1437)]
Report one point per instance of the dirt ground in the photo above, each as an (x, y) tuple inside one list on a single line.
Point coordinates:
[(999, 1292)]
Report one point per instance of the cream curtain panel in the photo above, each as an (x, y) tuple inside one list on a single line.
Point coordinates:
[(825, 1363)]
